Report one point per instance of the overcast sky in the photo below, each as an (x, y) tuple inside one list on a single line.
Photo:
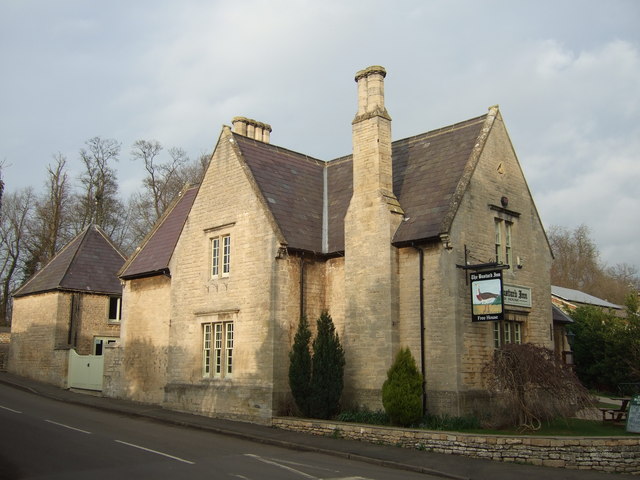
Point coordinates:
[(566, 75)]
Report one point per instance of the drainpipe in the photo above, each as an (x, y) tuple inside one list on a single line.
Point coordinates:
[(422, 363), (301, 286)]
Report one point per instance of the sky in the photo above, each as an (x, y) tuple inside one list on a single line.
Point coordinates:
[(565, 73)]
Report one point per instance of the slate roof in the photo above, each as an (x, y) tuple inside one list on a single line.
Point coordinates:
[(155, 252), (427, 169), (577, 296), (308, 197), (559, 316), (292, 185), (89, 263)]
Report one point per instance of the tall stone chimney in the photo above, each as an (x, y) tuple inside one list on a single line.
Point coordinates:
[(372, 218)]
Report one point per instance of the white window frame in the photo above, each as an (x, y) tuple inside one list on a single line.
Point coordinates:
[(206, 350), (507, 331), (504, 241), (228, 352), (507, 243), (217, 349), (226, 255), (118, 316), (100, 342), (220, 252), (215, 257)]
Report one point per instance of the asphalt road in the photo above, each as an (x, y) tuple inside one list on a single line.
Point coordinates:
[(44, 438)]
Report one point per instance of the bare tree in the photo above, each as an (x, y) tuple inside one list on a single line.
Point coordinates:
[(1, 182), (98, 201), (617, 282), (164, 180), (17, 210), (162, 184), (529, 385), (49, 229), (193, 173), (577, 265)]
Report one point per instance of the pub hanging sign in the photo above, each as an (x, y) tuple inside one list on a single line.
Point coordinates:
[(486, 296)]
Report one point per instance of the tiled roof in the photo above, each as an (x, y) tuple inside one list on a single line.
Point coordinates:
[(559, 316), (89, 263), (577, 296), (292, 186), (427, 169), (156, 250)]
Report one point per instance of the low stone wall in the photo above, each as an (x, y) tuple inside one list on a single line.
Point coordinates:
[(607, 454), (5, 338)]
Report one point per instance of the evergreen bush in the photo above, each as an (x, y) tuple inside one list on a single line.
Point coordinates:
[(300, 367), (402, 390), (327, 370)]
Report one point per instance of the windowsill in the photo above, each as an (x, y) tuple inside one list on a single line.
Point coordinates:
[(227, 378)]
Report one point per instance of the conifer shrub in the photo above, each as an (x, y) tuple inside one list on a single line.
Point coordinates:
[(327, 370), (300, 367), (402, 390)]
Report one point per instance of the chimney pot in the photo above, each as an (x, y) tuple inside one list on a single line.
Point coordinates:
[(371, 91), (252, 128), (240, 125)]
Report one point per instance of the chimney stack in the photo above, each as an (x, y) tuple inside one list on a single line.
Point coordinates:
[(372, 169), (252, 129), (370, 259)]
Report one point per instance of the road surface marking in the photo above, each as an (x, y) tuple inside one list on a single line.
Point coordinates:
[(10, 409), (297, 464), (272, 462), (156, 452), (68, 426)]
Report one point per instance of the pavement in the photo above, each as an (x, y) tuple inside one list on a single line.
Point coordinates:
[(439, 465)]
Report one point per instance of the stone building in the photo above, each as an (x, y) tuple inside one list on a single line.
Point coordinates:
[(568, 299), (72, 304), (387, 239)]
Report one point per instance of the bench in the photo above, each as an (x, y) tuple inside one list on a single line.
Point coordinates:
[(611, 415)]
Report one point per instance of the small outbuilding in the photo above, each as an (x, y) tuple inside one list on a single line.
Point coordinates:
[(66, 313)]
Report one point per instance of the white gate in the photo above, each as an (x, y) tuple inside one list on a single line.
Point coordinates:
[(85, 371)]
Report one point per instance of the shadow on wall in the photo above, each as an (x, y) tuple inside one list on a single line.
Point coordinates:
[(172, 376), (137, 372), (34, 353)]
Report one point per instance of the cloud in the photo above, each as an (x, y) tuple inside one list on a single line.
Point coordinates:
[(568, 87), (583, 140)]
